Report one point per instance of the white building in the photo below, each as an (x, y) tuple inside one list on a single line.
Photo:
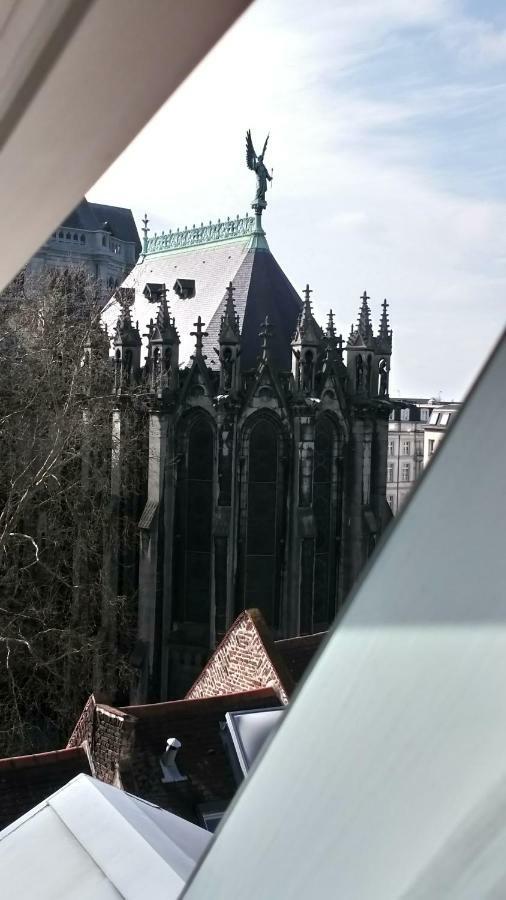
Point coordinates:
[(414, 433), (440, 419)]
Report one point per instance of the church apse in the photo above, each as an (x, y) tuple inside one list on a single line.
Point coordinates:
[(267, 444)]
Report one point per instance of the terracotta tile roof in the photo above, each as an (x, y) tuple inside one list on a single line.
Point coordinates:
[(202, 758), (27, 780), (298, 652)]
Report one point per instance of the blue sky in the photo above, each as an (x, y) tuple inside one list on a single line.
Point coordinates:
[(388, 128)]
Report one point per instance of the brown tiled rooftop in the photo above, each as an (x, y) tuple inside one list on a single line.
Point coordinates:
[(202, 757), (298, 652), (26, 781)]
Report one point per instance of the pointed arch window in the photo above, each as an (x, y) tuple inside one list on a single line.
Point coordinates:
[(194, 510), (264, 501)]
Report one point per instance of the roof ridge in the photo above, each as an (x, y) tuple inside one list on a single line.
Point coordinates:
[(46, 757), (300, 637), (108, 205), (217, 700), (197, 235)]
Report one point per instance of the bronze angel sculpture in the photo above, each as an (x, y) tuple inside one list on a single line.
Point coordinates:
[(256, 164)]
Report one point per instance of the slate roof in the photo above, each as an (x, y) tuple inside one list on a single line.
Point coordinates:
[(260, 288), (121, 221), (26, 781), (92, 216), (202, 758)]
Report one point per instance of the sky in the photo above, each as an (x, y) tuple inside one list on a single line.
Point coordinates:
[(387, 133)]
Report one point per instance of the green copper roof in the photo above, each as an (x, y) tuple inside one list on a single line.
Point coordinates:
[(205, 234)]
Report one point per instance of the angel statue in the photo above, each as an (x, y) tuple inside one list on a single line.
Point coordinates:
[(256, 164)]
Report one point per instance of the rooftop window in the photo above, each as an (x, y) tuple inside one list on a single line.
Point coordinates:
[(185, 288)]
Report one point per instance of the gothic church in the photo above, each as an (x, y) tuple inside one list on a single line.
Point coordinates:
[(264, 441)]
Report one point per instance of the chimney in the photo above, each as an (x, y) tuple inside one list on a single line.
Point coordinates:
[(170, 771)]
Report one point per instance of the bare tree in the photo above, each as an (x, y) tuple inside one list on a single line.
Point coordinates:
[(55, 439)]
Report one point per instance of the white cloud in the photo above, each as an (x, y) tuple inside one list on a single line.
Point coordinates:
[(478, 42)]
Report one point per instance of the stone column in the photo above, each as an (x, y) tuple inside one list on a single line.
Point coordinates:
[(353, 549), (151, 553), (301, 557), (380, 454), (120, 551)]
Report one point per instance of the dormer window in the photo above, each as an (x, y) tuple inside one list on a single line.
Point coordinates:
[(185, 288), (153, 292)]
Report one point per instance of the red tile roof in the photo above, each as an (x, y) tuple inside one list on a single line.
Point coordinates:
[(26, 781), (202, 757)]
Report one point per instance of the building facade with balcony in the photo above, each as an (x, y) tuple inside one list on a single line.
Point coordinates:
[(415, 429), (102, 239)]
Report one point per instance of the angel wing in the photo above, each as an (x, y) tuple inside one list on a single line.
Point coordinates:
[(251, 157), (265, 146)]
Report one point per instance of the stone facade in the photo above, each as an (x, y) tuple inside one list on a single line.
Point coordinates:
[(265, 445), (411, 442), (103, 240)]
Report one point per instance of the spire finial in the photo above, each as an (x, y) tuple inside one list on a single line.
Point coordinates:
[(145, 231), (364, 318), (307, 312), (229, 327), (307, 292), (334, 344), (163, 314), (199, 336), (384, 334)]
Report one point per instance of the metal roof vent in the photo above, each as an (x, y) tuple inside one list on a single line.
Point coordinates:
[(168, 765)]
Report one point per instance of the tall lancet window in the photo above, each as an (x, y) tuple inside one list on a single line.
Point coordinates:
[(194, 510), (262, 522), (326, 505)]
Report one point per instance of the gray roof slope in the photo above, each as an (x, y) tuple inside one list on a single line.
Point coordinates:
[(81, 217), (92, 216), (121, 221), (261, 288), (92, 840)]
